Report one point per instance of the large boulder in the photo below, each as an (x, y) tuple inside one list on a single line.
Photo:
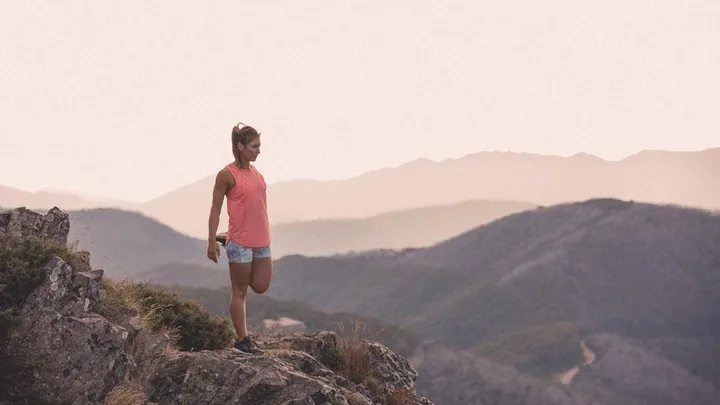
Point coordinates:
[(81, 356)]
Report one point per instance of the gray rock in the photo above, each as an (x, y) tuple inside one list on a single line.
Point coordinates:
[(69, 292), (81, 354), (229, 376), (393, 371), (81, 359), (23, 224)]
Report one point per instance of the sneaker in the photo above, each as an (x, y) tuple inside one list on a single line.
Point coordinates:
[(247, 345)]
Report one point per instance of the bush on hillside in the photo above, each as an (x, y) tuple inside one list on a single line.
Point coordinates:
[(190, 325)]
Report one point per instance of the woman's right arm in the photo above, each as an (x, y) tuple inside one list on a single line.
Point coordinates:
[(218, 195)]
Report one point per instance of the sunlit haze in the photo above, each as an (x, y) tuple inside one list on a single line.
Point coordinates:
[(132, 99)]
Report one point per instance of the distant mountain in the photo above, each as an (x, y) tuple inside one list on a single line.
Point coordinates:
[(187, 274), (130, 244), (417, 227), (626, 374), (600, 263), (622, 374), (46, 199), (686, 178), (455, 377), (126, 243)]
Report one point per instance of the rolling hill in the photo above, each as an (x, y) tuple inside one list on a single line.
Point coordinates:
[(600, 263), (418, 227), (623, 374), (686, 178), (128, 243)]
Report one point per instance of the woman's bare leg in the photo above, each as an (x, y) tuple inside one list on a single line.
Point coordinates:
[(261, 274), (240, 279)]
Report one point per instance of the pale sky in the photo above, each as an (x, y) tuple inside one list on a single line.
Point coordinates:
[(131, 99)]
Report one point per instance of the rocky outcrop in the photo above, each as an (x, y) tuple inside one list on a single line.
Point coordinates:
[(22, 224), (83, 357)]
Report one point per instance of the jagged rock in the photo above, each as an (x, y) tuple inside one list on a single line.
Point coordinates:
[(394, 372), (287, 373), (228, 376), (81, 359), (313, 345), (147, 351), (69, 292), (23, 224), (81, 354)]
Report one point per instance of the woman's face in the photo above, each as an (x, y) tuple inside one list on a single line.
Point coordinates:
[(250, 151)]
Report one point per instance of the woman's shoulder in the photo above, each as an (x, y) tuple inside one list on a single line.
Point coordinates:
[(226, 174)]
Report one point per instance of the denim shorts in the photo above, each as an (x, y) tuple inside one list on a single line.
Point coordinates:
[(237, 253)]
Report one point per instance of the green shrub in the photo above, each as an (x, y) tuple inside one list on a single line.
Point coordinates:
[(332, 358), (21, 264), (189, 323)]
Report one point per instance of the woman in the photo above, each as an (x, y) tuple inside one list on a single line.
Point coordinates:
[(248, 238)]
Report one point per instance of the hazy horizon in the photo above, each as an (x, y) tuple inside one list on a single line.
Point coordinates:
[(132, 100), (89, 196)]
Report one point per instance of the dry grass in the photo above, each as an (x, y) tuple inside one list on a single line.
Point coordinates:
[(125, 395), (355, 364)]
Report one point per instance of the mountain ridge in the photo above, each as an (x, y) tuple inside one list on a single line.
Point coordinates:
[(128, 243), (687, 178), (655, 176)]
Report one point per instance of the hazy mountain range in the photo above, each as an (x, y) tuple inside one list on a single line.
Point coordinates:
[(129, 244), (686, 178)]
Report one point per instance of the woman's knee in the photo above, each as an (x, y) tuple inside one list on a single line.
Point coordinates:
[(239, 290), (260, 288)]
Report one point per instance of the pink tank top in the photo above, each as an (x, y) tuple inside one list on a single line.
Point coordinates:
[(247, 208)]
